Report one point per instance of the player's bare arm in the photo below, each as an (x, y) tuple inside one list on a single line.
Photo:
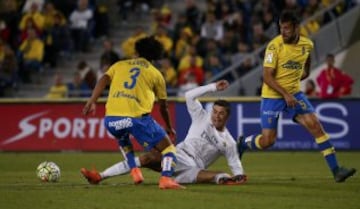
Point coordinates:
[(269, 79), (164, 111), (306, 69), (90, 106)]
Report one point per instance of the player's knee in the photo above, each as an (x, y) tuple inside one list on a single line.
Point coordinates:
[(150, 158), (267, 141)]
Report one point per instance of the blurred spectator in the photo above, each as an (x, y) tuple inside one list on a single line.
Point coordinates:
[(212, 48), (243, 50), (77, 87), (87, 74), (50, 13), (237, 24), (311, 26), (192, 13), (259, 37), (292, 5), (31, 52), (193, 69), (211, 28), (128, 46), (65, 6), (333, 82), (157, 21), (179, 26), (162, 36), (223, 10), (263, 6), (185, 62), (8, 68), (29, 3), (109, 56), (269, 24), (101, 18), (58, 40), (29, 24), (314, 6), (246, 66), (4, 31), (81, 26), (227, 46), (166, 15), (190, 83), (9, 14), (125, 6), (183, 43), (35, 14), (213, 67), (169, 73), (310, 88), (59, 90)]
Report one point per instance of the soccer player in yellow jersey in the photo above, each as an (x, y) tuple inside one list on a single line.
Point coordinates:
[(134, 84), (286, 63)]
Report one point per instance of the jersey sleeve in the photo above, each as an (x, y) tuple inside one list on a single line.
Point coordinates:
[(232, 158), (111, 71), (193, 105), (271, 55), (160, 86)]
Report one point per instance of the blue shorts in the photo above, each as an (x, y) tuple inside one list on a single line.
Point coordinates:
[(145, 129), (271, 108)]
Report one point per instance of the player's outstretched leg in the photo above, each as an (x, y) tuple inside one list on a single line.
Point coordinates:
[(93, 176)]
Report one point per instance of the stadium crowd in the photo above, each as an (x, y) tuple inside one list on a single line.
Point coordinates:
[(35, 33), (198, 43)]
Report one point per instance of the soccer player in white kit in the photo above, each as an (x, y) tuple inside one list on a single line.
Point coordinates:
[(207, 140)]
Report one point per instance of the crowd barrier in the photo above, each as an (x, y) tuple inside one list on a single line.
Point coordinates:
[(40, 125)]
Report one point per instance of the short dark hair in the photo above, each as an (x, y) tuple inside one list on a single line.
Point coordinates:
[(149, 48), (223, 103), (289, 16)]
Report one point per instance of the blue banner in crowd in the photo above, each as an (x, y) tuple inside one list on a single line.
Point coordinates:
[(339, 118)]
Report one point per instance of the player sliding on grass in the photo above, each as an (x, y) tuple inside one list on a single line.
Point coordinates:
[(286, 62), (134, 83), (207, 140)]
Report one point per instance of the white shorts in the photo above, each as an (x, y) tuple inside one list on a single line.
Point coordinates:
[(186, 170)]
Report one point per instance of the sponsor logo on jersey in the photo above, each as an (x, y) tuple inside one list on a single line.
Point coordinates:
[(121, 124), (292, 65)]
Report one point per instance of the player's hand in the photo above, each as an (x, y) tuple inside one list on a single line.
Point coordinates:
[(290, 100), (90, 107), (222, 85), (239, 179), (234, 180)]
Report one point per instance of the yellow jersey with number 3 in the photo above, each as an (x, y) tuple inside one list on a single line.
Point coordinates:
[(135, 83), (288, 60)]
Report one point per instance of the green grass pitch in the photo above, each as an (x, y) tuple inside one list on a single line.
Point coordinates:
[(277, 180)]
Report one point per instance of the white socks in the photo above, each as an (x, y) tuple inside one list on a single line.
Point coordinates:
[(119, 168)]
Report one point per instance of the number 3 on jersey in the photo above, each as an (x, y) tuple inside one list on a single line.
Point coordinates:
[(135, 72)]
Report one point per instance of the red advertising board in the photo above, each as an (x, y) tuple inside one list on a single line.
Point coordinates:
[(56, 127)]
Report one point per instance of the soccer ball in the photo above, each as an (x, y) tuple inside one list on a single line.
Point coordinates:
[(48, 172)]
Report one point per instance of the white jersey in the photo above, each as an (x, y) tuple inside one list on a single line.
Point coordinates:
[(204, 144)]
